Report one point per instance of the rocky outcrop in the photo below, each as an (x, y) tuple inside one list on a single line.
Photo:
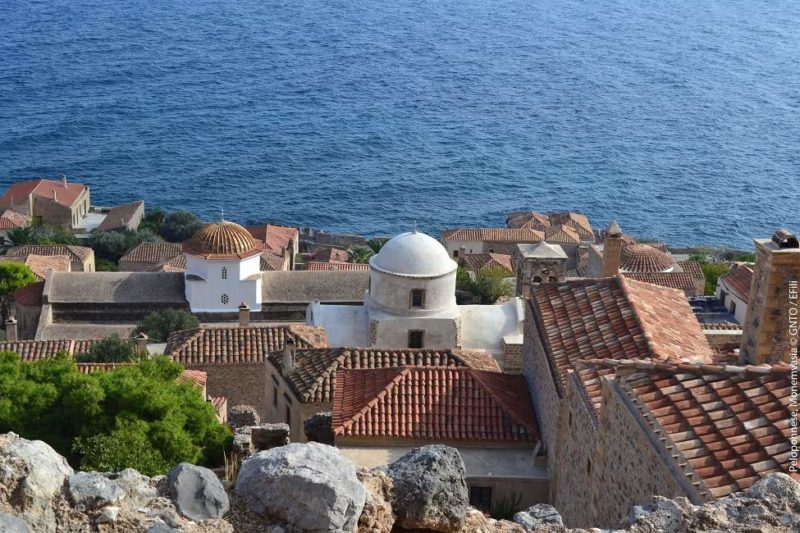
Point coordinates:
[(430, 489), (377, 516), (197, 492), (539, 517), (268, 436), (243, 415), (318, 428), (311, 487)]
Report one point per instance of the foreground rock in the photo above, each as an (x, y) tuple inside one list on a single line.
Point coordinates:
[(197, 492), (377, 516), (243, 415), (539, 517), (430, 489), (268, 436), (311, 486)]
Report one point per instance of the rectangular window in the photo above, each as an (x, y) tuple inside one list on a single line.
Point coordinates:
[(289, 415), (481, 498), (416, 338), (417, 298), (455, 253)]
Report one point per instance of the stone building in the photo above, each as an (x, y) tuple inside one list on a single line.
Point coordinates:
[(733, 290), (634, 429), (126, 217), (539, 263), (41, 265), (235, 358), (381, 414), (411, 302), (81, 257), (280, 246), (300, 382), (11, 220), (474, 263), (52, 201), (771, 324), (615, 318), (462, 241)]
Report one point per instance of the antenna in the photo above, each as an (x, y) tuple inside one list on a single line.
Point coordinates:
[(222, 214), (415, 225)]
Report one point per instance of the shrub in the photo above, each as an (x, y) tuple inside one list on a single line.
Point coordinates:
[(360, 253), (179, 226), (13, 275), (160, 324), (112, 349), (111, 245), (137, 417), (41, 233), (713, 271)]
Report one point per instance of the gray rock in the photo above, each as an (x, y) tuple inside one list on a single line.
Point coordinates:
[(243, 415), (34, 473), (108, 515), (11, 524), (138, 488), (197, 492), (161, 528), (430, 489), (662, 515), (318, 428), (310, 486), (92, 490), (540, 516), (242, 443), (268, 436), (779, 489)]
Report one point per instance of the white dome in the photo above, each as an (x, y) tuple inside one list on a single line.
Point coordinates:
[(413, 254)]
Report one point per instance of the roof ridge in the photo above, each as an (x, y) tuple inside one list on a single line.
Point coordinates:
[(686, 367), (622, 281)]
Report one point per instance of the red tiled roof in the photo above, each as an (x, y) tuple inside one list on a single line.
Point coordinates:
[(272, 261), (614, 318), (493, 234), (335, 265), (232, 345), (30, 295), (174, 264), (436, 403), (315, 370), (41, 264), (739, 280), (675, 280), (66, 193), (644, 258), (731, 425), (527, 219), (120, 216), (693, 268), (37, 350), (195, 376), (153, 252), (475, 262), (90, 368), (332, 254), (577, 221), (562, 235), (11, 219), (75, 253), (275, 238)]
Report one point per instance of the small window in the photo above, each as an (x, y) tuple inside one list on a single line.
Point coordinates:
[(455, 253), (537, 279), (733, 307), (588, 467), (225, 299), (289, 415), (480, 498), (416, 338), (224, 272), (417, 298)]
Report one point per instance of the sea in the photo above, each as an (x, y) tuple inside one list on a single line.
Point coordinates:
[(680, 119)]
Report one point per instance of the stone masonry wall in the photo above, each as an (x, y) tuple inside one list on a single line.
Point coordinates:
[(239, 383), (512, 356)]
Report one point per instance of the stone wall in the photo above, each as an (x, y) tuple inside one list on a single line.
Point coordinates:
[(239, 383), (512, 357)]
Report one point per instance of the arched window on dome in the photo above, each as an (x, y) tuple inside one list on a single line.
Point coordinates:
[(224, 272)]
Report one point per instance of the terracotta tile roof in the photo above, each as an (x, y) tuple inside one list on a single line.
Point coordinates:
[(194, 376), (436, 403), (335, 265), (739, 280), (731, 425), (30, 295), (41, 264), (577, 221), (66, 193), (275, 238), (527, 219), (675, 280), (315, 370), (11, 219), (75, 253), (175, 264), (562, 235), (37, 350), (332, 254), (120, 216), (153, 252), (693, 268), (232, 345), (475, 262), (90, 368), (614, 318), (644, 258), (493, 234), (272, 261)]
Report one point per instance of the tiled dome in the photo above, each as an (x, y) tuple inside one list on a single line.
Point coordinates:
[(644, 258), (222, 240)]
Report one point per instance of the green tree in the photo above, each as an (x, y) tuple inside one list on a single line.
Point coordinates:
[(41, 233), (360, 253), (137, 417), (713, 271), (376, 244), (491, 284), (112, 349), (111, 245), (13, 275), (152, 220), (179, 226), (160, 324)]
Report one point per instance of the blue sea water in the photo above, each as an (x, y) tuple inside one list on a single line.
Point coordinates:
[(678, 118)]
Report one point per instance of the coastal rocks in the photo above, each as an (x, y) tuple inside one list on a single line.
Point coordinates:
[(31, 475), (318, 428), (268, 436), (310, 486), (539, 517), (377, 516), (197, 492), (430, 489), (243, 415)]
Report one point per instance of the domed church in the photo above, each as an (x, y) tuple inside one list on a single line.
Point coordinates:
[(411, 302), (222, 269)]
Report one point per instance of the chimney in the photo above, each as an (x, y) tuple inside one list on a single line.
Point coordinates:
[(55, 196), (11, 329), (141, 342), (612, 250), (244, 315), (289, 352), (770, 328)]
